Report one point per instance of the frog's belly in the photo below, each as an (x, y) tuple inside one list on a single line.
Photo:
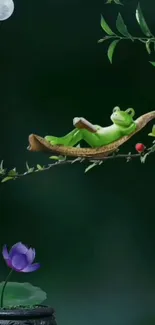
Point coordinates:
[(102, 137), (108, 136)]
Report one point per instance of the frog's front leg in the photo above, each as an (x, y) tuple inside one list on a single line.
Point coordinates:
[(83, 124), (70, 139), (130, 129), (88, 131)]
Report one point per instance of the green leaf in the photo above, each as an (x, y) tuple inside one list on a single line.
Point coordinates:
[(153, 63), (39, 167), (1, 164), (29, 169), (62, 158), (2, 170), (90, 167), (153, 129), (143, 158), (58, 158), (6, 179), (147, 44), (122, 27), (54, 157), (118, 2), (141, 21), (111, 50), (104, 39), (114, 1), (13, 172), (152, 148), (22, 294), (105, 27), (152, 134)]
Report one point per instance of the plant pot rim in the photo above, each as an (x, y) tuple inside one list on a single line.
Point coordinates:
[(26, 312)]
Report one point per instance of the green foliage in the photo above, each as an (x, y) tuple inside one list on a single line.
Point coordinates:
[(28, 169), (106, 27), (39, 167), (2, 170), (111, 49), (22, 294), (117, 2), (152, 134), (58, 158), (90, 167), (141, 21), (94, 164), (5, 179), (143, 157), (12, 174), (122, 29)]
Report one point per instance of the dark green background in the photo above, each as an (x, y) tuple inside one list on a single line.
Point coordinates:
[(94, 233)]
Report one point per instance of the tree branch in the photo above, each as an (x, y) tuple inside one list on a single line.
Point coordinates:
[(59, 161)]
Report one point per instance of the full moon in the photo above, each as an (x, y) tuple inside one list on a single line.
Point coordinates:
[(6, 9)]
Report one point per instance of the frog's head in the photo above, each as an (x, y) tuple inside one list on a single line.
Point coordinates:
[(122, 118)]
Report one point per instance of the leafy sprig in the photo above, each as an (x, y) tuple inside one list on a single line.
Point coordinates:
[(117, 2), (148, 39), (60, 160)]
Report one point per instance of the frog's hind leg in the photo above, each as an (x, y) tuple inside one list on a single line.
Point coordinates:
[(70, 139)]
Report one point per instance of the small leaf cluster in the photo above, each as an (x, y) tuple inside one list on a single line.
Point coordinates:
[(117, 2), (148, 39), (12, 174)]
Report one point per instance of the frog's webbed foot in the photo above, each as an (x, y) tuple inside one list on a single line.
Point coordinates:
[(82, 123), (53, 140)]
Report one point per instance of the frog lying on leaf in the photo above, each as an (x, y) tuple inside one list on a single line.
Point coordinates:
[(103, 141), (95, 135)]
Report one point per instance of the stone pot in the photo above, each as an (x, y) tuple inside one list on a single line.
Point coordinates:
[(27, 315)]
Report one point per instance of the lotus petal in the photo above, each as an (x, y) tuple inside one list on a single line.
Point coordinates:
[(5, 252), (18, 248), (31, 268), (30, 255), (19, 262)]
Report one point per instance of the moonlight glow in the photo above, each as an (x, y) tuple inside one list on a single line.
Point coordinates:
[(6, 9)]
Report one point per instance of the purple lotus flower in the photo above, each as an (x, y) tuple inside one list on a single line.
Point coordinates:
[(20, 258)]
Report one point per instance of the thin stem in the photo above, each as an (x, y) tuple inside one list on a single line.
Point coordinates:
[(5, 283), (140, 39), (97, 160)]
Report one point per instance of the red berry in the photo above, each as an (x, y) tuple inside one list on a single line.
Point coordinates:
[(140, 147)]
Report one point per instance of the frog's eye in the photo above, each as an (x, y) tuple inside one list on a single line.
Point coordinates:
[(130, 111), (116, 109)]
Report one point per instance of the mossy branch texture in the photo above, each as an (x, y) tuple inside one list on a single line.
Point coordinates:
[(123, 34), (12, 174)]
